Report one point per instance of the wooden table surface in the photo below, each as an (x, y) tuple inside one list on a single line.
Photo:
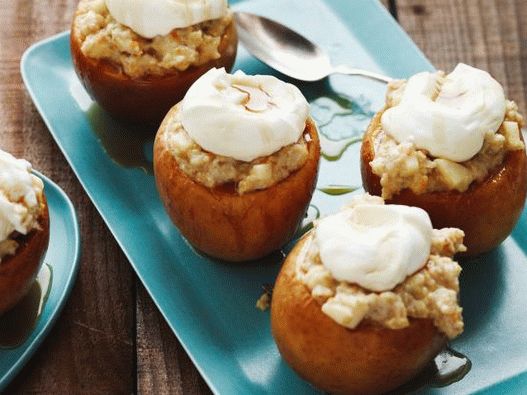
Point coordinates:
[(110, 338)]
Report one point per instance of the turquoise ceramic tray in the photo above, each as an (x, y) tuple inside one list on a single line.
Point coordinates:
[(209, 305), (63, 258)]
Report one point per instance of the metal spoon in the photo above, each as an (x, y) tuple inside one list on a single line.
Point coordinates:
[(289, 52)]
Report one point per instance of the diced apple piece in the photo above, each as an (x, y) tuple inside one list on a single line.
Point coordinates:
[(511, 131), (455, 176)]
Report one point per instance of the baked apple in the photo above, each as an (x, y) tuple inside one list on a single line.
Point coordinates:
[(347, 339), (24, 234), (459, 190), (236, 164), (138, 76)]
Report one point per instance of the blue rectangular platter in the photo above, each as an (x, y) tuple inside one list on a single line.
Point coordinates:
[(209, 305)]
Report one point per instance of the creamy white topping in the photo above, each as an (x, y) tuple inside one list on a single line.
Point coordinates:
[(448, 116), (241, 116), (374, 246), (150, 18), (19, 192)]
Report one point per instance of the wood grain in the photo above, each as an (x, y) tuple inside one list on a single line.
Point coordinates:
[(110, 337), (489, 34), (163, 367)]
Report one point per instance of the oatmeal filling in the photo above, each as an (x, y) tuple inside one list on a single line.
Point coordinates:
[(18, 215), (403, 165), (430, 293), (102, 37), (214, 170)]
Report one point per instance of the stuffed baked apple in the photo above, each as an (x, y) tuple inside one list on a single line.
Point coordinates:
[(367, 298), (137, 58), (236, 164), (452, 145)]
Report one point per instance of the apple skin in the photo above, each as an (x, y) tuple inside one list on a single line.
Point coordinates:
[(18, 272)]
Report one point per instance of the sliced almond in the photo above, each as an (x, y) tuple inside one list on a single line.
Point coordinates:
[(257, 99)]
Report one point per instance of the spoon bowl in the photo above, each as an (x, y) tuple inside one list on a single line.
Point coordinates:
[(289, 52)]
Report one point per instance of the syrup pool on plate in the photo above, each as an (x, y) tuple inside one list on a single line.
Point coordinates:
[(128, 145), (448, 367)]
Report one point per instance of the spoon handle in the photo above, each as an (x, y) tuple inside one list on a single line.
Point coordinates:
[(343, 69)]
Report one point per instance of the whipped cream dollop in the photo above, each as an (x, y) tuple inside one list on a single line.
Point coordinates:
[(243, 116), (448, 116), (19, 196), (150, 18), (374, 246)]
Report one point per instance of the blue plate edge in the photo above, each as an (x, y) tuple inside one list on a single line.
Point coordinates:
[(33, 346)]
